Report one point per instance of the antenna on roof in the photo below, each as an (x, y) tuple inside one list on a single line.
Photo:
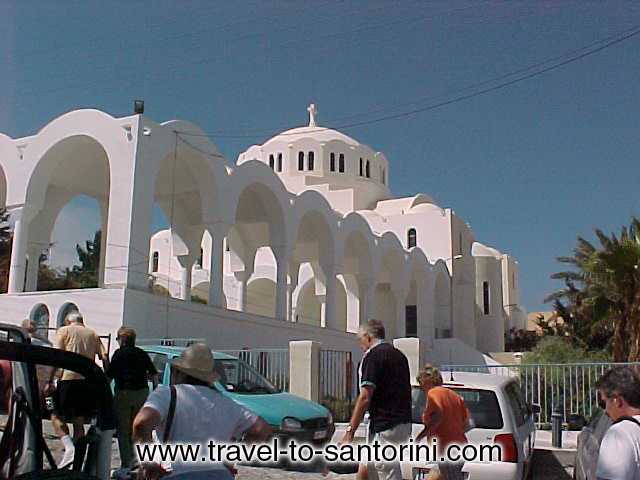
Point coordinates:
[(450, 367)]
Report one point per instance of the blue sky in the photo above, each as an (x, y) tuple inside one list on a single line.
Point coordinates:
[(529, 166)]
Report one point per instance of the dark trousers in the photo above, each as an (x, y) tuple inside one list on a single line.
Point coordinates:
[(127, 404)]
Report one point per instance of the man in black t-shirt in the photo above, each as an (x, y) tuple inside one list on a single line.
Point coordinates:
[(130, 368), (385, 391)]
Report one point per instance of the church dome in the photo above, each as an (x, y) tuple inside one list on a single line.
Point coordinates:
[(320, 134), (312, 131), (318, 158)]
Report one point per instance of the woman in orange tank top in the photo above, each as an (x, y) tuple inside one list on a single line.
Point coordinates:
[(445, 418)]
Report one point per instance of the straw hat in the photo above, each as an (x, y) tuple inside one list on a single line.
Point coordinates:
[(196, 361)]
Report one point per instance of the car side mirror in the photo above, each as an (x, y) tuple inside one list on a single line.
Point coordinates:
[(534, 408)]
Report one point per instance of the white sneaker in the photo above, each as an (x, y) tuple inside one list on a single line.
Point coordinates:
[(67, 458)]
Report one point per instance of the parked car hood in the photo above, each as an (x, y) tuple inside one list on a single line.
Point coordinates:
[(274, 407)]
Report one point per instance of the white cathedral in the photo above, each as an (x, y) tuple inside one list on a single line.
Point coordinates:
[(301, 239)]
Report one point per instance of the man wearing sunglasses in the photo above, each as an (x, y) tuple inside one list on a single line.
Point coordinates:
[(619, 397)]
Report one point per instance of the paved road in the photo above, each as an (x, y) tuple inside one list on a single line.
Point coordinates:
[(547, 465)]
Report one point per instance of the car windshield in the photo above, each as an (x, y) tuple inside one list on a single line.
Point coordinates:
[(482, 404), (238, 377)]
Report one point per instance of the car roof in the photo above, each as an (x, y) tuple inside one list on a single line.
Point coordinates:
[(473, 380), (178, 350)]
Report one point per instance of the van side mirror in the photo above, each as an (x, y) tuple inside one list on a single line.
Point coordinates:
[(534, 408)]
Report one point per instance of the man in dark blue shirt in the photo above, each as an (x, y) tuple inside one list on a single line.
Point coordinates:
[(130, 368), (385, 391)]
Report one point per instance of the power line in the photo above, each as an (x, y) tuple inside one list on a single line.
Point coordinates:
[(587, 51)]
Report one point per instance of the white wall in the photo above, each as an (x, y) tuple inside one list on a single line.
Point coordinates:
[(491, 327), (102, 309)]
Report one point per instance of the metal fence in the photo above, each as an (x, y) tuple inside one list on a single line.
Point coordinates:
[(337, 383), (567, 387), (272, 363)]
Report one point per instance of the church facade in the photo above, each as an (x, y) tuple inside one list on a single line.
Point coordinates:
[(300, 239)]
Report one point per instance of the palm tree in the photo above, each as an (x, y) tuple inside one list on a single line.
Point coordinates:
[(86, 274), (601, 297)]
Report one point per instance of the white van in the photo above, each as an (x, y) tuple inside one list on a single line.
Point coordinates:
[(500, 415)]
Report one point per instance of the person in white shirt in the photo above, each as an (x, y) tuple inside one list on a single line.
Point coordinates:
[(619, 393), (201, 413)]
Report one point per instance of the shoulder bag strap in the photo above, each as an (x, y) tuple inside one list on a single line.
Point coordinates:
[(172, 411), (631, 419)]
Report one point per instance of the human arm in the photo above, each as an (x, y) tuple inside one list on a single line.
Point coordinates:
[(102, 354), (152, 372), (362, 405), (144, 423), (114, 365), (259, 431), (59, 343), (431, 417), (148, 419)]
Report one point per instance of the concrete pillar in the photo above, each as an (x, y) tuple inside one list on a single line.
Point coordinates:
[(292, 282), (425, 303), (415, 351), (185, 277), (22, 216), (304, 369), (243, 278), (130, 205), (365, 290), (33, 265), (216, 265), (104, 215), (329, 319), (282, 269), (290, 289), (401, 314)]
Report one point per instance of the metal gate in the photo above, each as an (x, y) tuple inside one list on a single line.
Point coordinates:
[(272, 363), (567, 387), (337, 383)]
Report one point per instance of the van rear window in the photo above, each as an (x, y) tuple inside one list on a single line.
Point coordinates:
[(482, 404)]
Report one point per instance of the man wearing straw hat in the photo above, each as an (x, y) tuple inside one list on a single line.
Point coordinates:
[(200, 414)]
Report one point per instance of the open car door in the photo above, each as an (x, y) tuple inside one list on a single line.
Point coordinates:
[(24, 452)]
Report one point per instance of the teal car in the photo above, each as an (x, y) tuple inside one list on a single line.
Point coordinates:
[(289, 416)]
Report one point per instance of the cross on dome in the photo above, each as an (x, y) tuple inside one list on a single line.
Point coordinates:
[(312, 114)]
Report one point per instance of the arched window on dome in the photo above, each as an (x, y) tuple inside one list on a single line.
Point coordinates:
[(272, 162), (368, 170), (200, 258), (384, 176), (155, 262), (279, 162), (361, 166), (412, 238), (332, 162), (341, 163), (310, 161), (300, 161)]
